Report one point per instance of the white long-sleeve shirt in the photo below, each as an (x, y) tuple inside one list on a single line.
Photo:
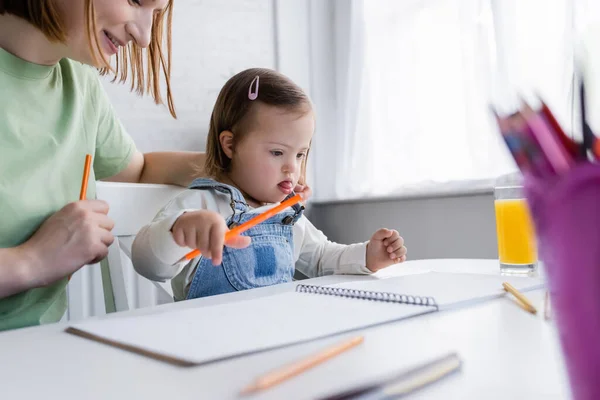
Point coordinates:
[(155, 254)]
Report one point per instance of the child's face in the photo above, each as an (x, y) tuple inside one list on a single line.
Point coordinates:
[(121, 20), (267, 163)]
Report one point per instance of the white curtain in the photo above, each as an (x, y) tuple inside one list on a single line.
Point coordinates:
[(414, 80)]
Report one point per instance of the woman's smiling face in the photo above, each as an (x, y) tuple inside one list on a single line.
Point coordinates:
[(117, 23)]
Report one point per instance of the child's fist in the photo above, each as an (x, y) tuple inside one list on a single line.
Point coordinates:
[(205, 230), (385, 248)]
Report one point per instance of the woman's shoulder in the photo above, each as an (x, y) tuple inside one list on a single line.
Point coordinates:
[(85, 80), (77, 68), (84, 77)]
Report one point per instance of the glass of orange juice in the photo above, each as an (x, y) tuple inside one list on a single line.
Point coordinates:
[(517, 248)]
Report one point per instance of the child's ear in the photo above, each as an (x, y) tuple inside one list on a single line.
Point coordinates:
[(226, 140)]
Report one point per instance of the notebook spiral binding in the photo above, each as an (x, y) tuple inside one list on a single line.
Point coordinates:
[(368, 295)]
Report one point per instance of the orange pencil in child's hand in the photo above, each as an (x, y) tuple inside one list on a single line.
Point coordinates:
[(251, 223)]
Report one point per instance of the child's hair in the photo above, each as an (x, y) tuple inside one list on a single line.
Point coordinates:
[(145, 77), (233, 111)]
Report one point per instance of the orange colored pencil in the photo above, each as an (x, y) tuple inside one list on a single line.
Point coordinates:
[(84, 183), (86, 176), (271, 379), (522, 300), (251, 223)]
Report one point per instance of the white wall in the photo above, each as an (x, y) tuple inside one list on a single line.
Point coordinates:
[(455, 226), (212, 40)]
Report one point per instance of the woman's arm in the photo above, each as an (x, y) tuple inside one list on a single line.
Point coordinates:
[(173, 168), (14, 277)]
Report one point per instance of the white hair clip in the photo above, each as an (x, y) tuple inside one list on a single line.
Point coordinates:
[(253, 95)]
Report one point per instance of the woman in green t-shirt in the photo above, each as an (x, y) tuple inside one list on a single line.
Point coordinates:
[(53, 111)]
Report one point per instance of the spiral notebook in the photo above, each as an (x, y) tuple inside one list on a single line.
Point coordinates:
[(207, 334), (444, 290), (388, 297)]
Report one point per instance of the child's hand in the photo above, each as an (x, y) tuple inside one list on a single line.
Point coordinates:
[(205, 230), (385, 248), (303, 190)]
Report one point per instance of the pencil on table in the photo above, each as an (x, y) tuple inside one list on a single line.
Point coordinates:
[(273, 378), (522, 300)]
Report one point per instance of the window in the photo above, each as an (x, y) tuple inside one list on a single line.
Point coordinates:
[(414, 80)]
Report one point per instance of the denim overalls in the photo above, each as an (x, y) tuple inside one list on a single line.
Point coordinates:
[(268, 260)]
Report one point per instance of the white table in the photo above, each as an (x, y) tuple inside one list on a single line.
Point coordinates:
[(507, 354)]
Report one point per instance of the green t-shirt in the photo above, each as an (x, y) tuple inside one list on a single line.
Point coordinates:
[(50, 118)]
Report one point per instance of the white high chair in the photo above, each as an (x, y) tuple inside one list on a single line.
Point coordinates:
[(132, 206)]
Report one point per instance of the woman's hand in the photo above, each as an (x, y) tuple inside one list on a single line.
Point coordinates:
[(78, 234)]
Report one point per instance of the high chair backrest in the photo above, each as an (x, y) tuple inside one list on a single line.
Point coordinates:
[(132, 205)]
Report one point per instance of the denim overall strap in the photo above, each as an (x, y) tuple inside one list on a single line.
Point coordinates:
[(237, 201), (298, 210)]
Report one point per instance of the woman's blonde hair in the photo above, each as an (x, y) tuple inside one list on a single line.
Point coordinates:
[(233, 111), (145, 76)]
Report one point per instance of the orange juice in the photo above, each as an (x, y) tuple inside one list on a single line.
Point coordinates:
[(516, 235)]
